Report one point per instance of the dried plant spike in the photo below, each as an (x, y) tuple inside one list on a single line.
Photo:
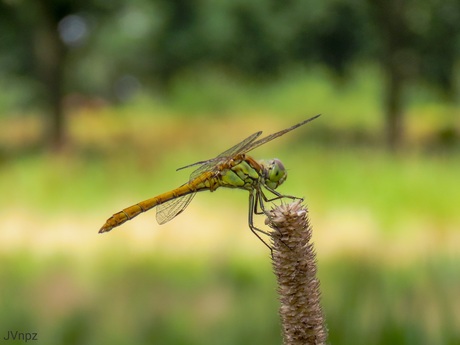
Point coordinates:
[(294, 264)]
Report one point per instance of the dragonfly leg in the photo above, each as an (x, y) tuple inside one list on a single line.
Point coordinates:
[(252, 209), (259, 193), (278, 195), (260, 202)]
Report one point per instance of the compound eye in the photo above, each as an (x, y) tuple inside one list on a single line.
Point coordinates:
[(276, 174)]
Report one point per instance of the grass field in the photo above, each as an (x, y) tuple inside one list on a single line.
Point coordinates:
[(386, 227)]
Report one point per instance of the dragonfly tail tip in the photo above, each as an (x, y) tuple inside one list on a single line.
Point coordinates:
[(103, 229)]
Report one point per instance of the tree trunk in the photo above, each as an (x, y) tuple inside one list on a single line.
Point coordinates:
[(393, 104), (50, 53), (390, 22)]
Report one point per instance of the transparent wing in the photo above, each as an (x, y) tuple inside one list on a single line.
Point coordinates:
[(254, 144), (172, 208), (240, 147), (244, 146), (210, 164)]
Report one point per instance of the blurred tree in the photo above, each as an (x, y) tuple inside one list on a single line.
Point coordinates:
[(43, 54), (51, 53), (436, 27), (419, 40), (95, 46), (44, 30), (335, 35), (177, 45), (257, 46), (390, 22)]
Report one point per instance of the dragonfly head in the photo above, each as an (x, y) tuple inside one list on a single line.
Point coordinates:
[(274, 172)]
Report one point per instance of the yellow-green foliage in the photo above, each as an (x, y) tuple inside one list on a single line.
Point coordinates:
[(385, 227)]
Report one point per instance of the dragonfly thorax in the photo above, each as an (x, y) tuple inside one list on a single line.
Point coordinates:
[(274, 172)]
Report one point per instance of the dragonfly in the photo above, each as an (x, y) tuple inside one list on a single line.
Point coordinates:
[(232, 168)]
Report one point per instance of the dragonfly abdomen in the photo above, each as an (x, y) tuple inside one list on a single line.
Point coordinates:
[(205, 181)]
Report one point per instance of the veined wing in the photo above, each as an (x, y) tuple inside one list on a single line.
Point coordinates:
[(179, 198), (172, 208), (270, 137), (244, 146), (210, 164)]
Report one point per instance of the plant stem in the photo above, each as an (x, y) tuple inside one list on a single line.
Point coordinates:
[(294, 263)]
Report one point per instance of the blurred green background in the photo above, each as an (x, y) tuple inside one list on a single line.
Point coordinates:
[(102, 101)]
